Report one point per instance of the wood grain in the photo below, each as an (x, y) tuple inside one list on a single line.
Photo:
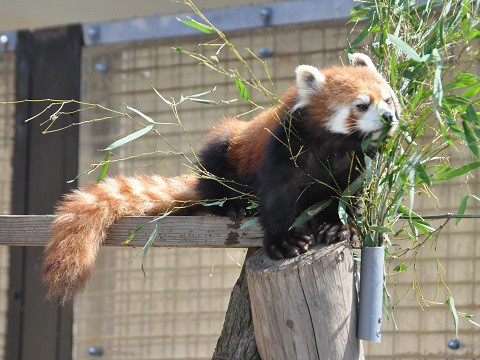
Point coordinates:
[(305, 308), (173, 231)]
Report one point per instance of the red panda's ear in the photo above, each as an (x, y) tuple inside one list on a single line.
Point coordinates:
[(309, 78), (359, 59), (309, 81)]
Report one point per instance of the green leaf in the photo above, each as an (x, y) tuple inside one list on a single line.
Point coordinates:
[(462, 80), (249, 223), (422, 226), (148, 118), (369, 241), (160, 95), (147, 246), (105, 162), (362, 35), (452, 173), (403, 46), (366, 141), (400, 268), (134, 232), (422, 173), (468, 317), (450, 302), (128, 138), (470, 138), (198, 25), (471, 91), (472, 114), (204, 101), (242, 89), (462, 208), (310, 213), (216, 203), (342, 213)]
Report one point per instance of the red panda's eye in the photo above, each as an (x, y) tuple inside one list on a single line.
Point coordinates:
[(362, 107), (389, 101)]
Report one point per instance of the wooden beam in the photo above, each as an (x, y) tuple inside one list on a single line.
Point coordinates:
[(173, 231)]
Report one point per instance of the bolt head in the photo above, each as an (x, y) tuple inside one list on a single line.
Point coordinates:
[(265, 53), (101, 67), (266, 14), (93, 33), (454, 344)]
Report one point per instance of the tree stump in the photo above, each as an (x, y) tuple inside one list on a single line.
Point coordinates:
[(305, 308), (237, 340)]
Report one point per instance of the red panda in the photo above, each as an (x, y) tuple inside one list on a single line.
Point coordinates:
[(289, 157)]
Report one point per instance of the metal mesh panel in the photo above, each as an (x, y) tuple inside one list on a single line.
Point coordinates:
[(7, 71), (176, 312)]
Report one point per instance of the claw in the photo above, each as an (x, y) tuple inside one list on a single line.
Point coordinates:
[(293, 245), (336, 232)]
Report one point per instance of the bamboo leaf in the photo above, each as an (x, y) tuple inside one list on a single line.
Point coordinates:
[(452, 173), (250, 222), (451, 303), (216, 203), (405, 48), (462, 208), (204, 101), (197, 25), (422, 173), (147, 246), (400, 268), (310, 213), (128, 138), (470, 138), (160, 95), (472, 114), (468, 317), (242, 89), (148, 118), (106, 162), (362, 35)]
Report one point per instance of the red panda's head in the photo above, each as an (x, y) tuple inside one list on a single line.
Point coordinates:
[(347, 100)]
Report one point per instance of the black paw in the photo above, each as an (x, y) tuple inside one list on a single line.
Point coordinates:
[(236, 209), (294, 244), (336, 232)]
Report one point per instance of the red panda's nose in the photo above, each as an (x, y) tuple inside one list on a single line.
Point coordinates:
[(387, 117)]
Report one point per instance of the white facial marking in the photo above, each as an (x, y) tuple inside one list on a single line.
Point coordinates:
[(371, 120), (386, 94), (362, 99), (338, 123)]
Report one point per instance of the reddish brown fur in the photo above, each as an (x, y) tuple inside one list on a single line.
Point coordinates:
[(342, 86), (248, 139), (85, 215)]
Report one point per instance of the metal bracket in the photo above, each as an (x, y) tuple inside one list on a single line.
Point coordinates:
[(228, 20)]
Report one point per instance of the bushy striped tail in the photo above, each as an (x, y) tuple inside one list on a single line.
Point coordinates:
[(84, 216)]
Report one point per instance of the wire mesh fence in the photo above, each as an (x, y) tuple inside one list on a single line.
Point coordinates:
[(177, 310)]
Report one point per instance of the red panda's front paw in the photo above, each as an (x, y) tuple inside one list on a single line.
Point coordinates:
[(336, 232), (294, 244)]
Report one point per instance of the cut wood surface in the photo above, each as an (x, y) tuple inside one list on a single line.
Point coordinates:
[(173, 231), (305, 308)]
